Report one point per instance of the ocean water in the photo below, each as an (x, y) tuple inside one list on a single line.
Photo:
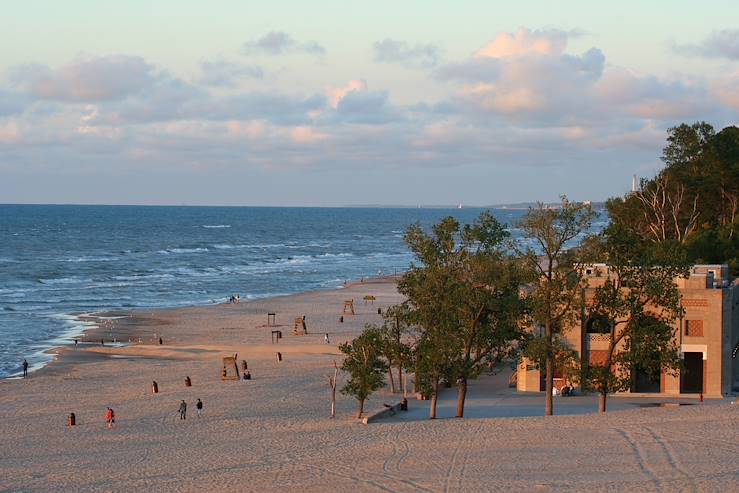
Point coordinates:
[(57, 262)]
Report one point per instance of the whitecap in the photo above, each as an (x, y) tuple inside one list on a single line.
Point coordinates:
[(216, 226), (182, 250)]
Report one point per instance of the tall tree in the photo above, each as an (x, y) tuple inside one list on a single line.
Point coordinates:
[(557, 270), (640, 301), (363, 361), (396, 351), (464, 294)]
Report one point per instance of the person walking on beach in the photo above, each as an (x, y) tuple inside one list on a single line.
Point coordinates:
[(109, 417), (325, 338), (199, 408), (183, 409), (25, 368)]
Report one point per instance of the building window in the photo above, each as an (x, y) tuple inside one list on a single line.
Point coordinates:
[(694, 328)]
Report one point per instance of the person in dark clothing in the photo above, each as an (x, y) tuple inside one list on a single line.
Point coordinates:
[(199, 408), (25, 368), (183, 409)]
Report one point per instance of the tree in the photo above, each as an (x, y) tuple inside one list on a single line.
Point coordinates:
[(694, 199), (365, 366), (464, 295), (641, 302), (556, 271), (394, 349), (538, 348)]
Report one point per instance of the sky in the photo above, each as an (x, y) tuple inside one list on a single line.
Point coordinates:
[(294, 103)]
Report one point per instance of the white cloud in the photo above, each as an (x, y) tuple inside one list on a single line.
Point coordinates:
[(225, 74), (101, 78), (527, 74), (718, 44), (307, 135), (279, 43), (336, 94), (403, 53), (550, 42), (726, 89)]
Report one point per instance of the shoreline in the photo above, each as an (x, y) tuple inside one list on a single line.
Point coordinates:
[(90, 327)]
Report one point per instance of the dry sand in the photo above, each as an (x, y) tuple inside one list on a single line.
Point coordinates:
[(274, 432)]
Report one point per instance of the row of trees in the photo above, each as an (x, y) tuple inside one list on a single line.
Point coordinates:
[(474, 298)]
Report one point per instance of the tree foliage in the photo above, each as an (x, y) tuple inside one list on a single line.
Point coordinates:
[(365, 366), (395, 349), (641, 302), (556, 269), (463, 295), (694, 200)]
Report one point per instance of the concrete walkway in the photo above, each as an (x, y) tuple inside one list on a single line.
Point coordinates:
[(490, 397)]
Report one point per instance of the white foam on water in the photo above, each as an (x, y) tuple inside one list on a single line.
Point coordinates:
[(182, 250), (216, 226)]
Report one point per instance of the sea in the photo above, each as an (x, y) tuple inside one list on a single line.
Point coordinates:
[(58, 262)]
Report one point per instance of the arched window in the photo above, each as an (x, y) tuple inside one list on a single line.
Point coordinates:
[(598, 324)]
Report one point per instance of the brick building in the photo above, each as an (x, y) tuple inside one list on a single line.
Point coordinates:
[(707, 335)]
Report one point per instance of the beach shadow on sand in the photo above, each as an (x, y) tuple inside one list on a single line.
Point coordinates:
[(490, 397)]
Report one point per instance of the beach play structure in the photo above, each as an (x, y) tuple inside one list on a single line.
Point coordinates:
[(230, 370), (299, 327), (369, 298), (276, 336), (271, 320), (348, 307)]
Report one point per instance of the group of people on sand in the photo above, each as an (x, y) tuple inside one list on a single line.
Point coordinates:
[(236, 298), (182, 410)]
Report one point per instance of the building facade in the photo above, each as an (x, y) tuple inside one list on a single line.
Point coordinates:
[(707, 335)]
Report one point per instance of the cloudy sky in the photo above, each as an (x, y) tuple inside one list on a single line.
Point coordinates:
[(331, 103)]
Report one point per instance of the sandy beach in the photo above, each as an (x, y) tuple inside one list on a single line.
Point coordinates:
[(274, 433)]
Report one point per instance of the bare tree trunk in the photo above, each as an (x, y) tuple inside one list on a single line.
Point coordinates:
[(401, 384), (332, 383), (549, 403), (361, 408), (392, 380), (549, 400), (602, 402), (434, 399), (462, 396)]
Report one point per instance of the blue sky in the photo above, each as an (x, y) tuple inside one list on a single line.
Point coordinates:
[(292, 103)]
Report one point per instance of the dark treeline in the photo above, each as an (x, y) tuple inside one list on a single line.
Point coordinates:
[(694, 200)]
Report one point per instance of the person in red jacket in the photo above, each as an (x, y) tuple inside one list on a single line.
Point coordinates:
[(109, 417)]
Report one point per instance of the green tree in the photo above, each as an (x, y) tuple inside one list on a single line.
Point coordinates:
[(556, 270), (435, 359), (396, 351), (365, 366), (694, 199), (641, 302), (537, 348), (463, 294)]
